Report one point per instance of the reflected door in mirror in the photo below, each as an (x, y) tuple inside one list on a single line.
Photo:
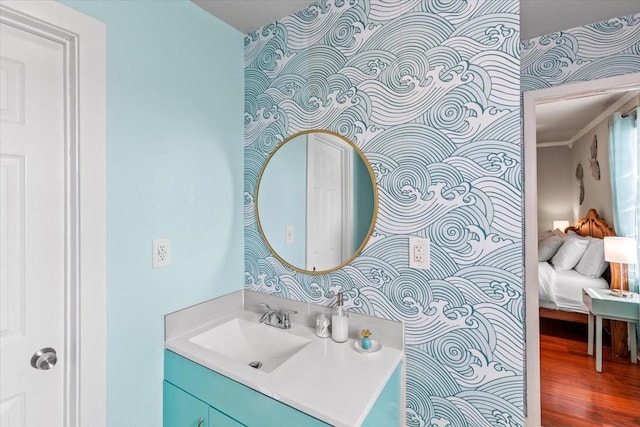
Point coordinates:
[(330, 200)]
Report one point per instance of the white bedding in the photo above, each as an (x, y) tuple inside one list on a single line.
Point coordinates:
[(562, 290)]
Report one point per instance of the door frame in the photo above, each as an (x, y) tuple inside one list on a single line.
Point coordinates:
[(530, 162), (84, 44)]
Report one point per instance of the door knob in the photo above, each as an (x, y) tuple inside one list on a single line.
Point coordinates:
[(44, 359)]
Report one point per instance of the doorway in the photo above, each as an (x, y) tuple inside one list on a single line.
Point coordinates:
[(55, 219), (530, 99)]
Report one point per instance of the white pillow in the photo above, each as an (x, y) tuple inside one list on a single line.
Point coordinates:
[(548, 247), (544, 234), (569, 253), (592, 263)]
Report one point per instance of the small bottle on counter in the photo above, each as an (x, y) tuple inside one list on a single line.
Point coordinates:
[(322, 325), (339, 321)]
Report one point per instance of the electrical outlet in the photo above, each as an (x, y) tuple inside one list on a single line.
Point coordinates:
[(419, 253), (418, 256), (161, 253)]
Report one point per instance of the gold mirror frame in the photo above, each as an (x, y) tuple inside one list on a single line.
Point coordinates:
[(374, 215)]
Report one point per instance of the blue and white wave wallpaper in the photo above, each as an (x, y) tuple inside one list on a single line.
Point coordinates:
[(604, 49), (429, 90)]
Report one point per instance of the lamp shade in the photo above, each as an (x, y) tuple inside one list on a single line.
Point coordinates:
[(560, 224), (622, 250)]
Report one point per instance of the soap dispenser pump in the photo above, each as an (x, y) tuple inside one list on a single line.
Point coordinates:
[(339, 321)]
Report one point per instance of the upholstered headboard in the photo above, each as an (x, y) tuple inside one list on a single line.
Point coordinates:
[(592, 225)]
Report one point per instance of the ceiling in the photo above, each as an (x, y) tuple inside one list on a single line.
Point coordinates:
[(563, 121), (537, 17), (248, 15)]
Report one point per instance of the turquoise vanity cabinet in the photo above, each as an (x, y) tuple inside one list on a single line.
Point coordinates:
[(240, 405), (195, 396)]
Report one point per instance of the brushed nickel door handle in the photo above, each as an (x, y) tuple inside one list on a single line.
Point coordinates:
[(44, 359)]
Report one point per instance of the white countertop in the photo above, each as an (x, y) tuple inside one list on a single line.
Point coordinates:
[(330, 381)]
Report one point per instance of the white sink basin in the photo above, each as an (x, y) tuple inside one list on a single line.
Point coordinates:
[(247, 342)]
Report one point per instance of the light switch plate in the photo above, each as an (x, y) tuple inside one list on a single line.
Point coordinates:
[(289, 234)]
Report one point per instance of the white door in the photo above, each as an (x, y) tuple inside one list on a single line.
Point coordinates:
[(32, 234), (328, 202)]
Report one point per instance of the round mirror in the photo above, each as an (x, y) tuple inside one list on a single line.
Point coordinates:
[(316, 201)]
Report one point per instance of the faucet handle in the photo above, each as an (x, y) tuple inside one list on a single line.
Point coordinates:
[(266, 316), (266, 306), (286, 319)]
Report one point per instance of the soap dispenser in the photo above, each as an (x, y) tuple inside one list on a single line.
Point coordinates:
[(339, 321)]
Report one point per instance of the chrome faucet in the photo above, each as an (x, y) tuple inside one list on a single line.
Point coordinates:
[(283, 317), (267, 315)]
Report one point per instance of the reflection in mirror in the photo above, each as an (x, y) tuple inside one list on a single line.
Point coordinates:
[(316, 201)]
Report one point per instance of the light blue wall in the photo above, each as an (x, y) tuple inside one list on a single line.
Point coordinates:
[(283, 200), (175, 169), (430, 91)]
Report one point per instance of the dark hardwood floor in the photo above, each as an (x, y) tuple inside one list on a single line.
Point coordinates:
[(573, 394)]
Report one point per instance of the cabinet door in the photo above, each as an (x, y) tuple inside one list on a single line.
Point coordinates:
[(183, 410), (218, 419)]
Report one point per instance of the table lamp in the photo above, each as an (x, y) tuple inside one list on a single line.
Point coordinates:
[(621, 250), (560, 224)]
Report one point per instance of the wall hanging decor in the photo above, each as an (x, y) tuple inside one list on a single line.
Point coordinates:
[(580, 178), (593, 160)]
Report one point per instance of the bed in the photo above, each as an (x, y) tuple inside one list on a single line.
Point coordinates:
[(560, 289)]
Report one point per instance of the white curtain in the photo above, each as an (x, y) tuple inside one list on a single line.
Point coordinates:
[(624, 159)]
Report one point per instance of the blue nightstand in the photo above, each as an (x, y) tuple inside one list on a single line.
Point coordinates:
[(602, 305)]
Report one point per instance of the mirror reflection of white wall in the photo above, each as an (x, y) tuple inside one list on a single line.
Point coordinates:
[(315, 201)]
